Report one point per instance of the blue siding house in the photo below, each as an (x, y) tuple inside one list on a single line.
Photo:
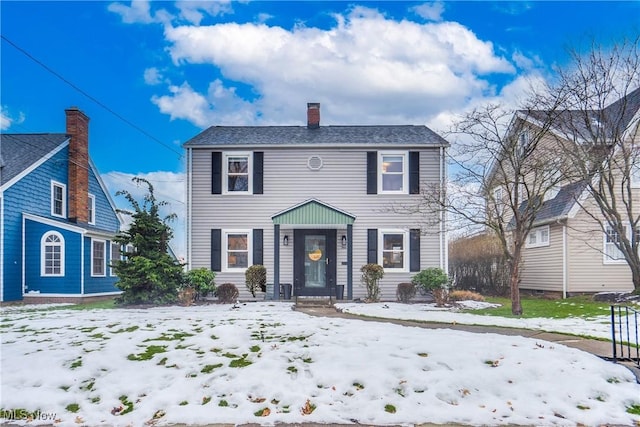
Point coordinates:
[(57, 220)]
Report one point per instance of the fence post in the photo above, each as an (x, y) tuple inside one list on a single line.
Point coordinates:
[(613, 331)]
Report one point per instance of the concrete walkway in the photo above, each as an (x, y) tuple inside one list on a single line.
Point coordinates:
[(603, 349)]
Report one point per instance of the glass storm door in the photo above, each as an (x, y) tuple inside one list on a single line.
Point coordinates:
[(314, 262)]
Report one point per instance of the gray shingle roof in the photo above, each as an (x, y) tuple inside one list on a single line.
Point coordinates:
[(325, 135), (559, 206), (19, 151)]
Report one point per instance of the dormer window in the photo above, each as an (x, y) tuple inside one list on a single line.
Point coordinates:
[(58, 199), (523, 142)]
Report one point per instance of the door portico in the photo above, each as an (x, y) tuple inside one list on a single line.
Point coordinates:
[(315, 227)]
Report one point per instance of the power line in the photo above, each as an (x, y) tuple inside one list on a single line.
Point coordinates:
[(78, 89)]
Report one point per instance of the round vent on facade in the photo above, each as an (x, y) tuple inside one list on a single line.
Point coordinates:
[(314, 163)]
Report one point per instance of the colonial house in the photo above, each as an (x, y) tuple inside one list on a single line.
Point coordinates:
[(313, 204), (57, 220), (568, 252)]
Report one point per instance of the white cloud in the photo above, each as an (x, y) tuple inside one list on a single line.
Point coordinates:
[(168, 187), (7, 118), (139, 13), (193, 11), (365, 69), (152, 76), (431, 11)]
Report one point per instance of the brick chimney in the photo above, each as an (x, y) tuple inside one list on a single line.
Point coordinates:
[(78, 185), (313, 115)]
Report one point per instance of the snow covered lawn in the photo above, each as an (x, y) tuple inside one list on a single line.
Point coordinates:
[(264, 363)]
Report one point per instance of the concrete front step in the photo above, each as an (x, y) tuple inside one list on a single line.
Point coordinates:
[(314, 302)]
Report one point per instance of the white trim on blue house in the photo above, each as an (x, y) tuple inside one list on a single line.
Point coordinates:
[(100, 294), (1, 245), (43, 253), (34, 166), (104, 258), (106, 192), (63, 208)]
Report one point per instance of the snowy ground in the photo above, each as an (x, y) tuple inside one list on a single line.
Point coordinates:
[(264, 363), (597, 327)]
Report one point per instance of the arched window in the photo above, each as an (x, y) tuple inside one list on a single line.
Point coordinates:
[(52, 254)]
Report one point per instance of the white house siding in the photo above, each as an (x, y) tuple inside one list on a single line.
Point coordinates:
[(341, 183), (542, 266), (587, 269)]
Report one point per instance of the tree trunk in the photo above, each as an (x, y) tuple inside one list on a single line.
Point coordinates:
[(514, 281), (635, 277)]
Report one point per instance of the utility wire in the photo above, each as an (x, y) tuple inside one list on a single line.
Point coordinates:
[(127, 121)]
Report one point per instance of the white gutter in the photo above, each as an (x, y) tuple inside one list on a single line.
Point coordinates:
[(442, 261)]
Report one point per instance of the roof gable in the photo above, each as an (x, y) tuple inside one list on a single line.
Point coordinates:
[(21, 152), (313, 212)]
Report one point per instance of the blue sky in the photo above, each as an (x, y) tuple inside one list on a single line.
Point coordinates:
[(172, 69)]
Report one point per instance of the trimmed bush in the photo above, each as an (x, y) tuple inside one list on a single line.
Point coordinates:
[(201, 280), (371, 275), (405, 292), (433, 280), (227, 293), (255, 278)]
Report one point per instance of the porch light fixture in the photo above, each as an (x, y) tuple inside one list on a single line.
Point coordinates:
[(344, 241), (285, 241)]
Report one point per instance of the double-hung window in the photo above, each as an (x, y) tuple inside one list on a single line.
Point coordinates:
[(116, 255), (237, 173), (52, 254), (91, 206), (58, 199), (393, 176), (538, 237), (237, 246), (635, 174), (612, 254), (98, 258), (393, 247)]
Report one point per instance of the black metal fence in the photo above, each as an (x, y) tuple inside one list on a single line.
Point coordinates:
[(624, 334)]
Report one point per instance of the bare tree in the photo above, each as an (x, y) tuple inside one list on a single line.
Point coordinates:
[(599, 135), (501, 177)]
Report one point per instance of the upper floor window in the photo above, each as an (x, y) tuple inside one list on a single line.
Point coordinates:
[(497, 195), (238, 251), (58, 199), (635, 175), (91, 205), (393, 174), (237, 173), (538, 237), (52, 254), (393, 246), (523, 142), (612, 253), (98, 258)]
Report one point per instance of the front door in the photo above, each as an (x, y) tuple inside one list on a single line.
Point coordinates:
[(314, 262)]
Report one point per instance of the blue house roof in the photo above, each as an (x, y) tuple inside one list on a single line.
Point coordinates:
[(19, 151)]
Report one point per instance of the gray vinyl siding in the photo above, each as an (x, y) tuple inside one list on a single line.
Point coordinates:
[(341, 183), (542, 266)]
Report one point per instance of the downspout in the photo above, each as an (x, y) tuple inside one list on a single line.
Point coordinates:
[(189, 190), (82, 236), (23, 254), (441, 234), (444, 215), (564, 261)]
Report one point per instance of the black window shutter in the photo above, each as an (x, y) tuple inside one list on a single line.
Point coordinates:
[(414, 250), (216, 249), (258, 172), (414, 172), (258, 250), (216, 172), (372, 246), (372, 172)]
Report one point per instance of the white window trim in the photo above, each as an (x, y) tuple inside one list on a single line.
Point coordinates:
[(225, 171), (104, 259), (64, 199), (405, 171), (538, 232), (606, 259), (635, 175), (43, 272), (111, 272), (405, 250), (225, 249), (92, 205)]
